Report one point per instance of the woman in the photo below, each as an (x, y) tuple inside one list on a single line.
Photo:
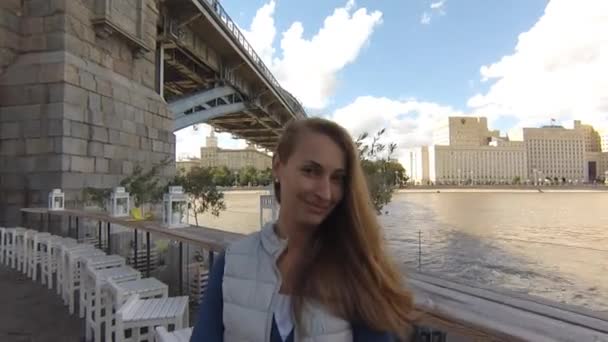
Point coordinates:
[(320, 272)]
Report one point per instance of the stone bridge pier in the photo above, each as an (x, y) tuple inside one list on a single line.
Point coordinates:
[(79, 98)]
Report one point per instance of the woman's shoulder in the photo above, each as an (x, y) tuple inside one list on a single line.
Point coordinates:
[(244, 245)]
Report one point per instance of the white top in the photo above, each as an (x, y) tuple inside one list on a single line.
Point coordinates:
[(283, 315)]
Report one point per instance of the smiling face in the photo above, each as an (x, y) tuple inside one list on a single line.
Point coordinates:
[(312, 179)]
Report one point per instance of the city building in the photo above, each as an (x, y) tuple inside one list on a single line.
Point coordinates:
[(555, 153), (595, 166), (417, 164), (214, 156), (186, 165), (593, 141), (463, 131), (466, 152), (604, 139)]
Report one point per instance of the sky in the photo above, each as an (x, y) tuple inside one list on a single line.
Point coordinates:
[(405, 64)]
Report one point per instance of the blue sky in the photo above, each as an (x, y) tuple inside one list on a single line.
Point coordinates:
[(404, 64)]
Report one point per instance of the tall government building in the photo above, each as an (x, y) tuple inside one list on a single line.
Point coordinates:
[(465, 151)]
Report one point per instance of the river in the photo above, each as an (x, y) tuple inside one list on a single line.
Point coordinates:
[(551, 245)]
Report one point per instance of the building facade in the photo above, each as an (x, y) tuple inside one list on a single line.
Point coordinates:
[(185, 166), (555, 153), (466, 152), (593, 141), (214, 156), (463, 131), (417, 165), (477, 164), (604, 139)]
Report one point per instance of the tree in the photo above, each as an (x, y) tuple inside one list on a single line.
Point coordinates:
[(264, 177), (222, 176), (376, 159), (248, 176), (397, 172), (199, 184), (143, 186)]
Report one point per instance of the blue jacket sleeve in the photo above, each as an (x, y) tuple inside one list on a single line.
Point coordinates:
[(209, 325), (361, 333)]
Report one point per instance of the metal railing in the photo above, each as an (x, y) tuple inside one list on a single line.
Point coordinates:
[(224, 19)]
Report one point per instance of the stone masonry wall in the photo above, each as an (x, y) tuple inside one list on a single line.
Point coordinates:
[(76, 110)]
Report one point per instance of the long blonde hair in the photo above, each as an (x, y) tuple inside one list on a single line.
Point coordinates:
[(346, 267)]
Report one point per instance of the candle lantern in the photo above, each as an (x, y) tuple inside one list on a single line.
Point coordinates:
[(56, 199), (175, 208), (120, 202)]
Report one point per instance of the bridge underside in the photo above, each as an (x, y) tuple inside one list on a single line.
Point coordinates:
[(208, 78), (227, 111)]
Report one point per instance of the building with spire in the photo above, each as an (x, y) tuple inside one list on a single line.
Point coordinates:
[(235, 159)]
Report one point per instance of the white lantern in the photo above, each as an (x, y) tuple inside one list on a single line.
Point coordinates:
[(175, 208), (56, 200), (120, 202)]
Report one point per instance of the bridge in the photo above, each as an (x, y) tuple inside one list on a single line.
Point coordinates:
[(212, 75), (90, 89)]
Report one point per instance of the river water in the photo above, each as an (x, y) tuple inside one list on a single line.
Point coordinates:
[(551, 245)]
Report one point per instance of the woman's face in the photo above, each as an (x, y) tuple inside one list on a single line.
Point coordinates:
[(312, 179)]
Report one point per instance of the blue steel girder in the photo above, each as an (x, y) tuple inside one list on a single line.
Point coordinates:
[(215, 103), (206, 105)]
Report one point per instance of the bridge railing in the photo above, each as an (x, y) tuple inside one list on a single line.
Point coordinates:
[(224, 19)]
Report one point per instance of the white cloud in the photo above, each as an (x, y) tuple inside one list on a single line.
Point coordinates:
[(558, 69), (408, 123), (425, 19), (262, 32), (438, 5), (436, 8), (308, 67)]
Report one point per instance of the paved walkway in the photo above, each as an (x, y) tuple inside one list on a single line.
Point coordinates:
[(30, 312)]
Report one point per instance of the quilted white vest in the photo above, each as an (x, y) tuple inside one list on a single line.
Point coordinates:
[(250, 286)]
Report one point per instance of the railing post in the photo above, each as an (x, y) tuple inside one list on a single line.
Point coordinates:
[(181, 268), (108, 240), (419, 250), (147, 254), (77, 230), (135, 250), (99, 235)]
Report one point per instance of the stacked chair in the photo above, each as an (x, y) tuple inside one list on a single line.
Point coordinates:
[(112, 294)]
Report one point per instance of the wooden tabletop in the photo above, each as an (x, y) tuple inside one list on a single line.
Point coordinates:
[(208, 238)]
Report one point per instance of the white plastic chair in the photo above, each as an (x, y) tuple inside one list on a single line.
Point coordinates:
[(71, 262), (50, 249), (96, 272), (119, 292), (58, 251), (4, 243), (150, 313), (11, 249), (183, 335), (19, 248), (35, 257)]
